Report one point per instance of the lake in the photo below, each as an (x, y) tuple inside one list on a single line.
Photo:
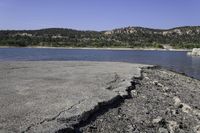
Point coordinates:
[(177, 61)]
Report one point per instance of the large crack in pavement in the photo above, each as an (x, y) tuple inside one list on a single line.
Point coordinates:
[(73, 124), (101, 107), (51, 96), (52, 118)]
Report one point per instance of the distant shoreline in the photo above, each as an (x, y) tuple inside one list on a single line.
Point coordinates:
[(102, 48)]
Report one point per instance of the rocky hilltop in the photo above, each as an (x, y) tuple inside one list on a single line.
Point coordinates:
[(180, 37), (129, 37), (175, 31)]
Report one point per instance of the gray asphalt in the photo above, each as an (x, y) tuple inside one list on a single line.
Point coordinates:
[(48, 96)]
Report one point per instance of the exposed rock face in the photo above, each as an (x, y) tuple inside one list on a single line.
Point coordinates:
[(195, 52), (169, 32)]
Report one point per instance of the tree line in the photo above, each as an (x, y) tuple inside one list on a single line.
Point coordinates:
[(187, 37)]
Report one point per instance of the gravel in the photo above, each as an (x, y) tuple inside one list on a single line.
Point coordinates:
[(161, 101)]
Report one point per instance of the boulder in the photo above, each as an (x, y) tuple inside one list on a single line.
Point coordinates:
[(195, 52)]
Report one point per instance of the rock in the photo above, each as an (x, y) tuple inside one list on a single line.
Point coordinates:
[(172, 125), (130, 129), (195, 52), (186, 108), (177, 101), (157, 84), (134, 93), (157, 120), (197, 129), (166, 89), (162, 130)]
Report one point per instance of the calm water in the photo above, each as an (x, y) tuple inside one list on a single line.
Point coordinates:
[(177, 61)]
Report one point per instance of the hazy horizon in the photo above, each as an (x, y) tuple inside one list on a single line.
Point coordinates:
[(98, 15), (101, 30)]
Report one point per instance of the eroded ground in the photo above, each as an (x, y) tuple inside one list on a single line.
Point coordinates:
[(96, 97), (162, 101)]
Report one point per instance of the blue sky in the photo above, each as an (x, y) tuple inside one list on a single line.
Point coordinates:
[(98, 14)]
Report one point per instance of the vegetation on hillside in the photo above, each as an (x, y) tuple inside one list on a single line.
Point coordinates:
[(129, 37)]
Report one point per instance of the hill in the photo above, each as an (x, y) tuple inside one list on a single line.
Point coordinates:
[(128, 37)]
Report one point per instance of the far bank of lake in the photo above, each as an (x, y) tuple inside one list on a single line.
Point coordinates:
[(99, 48)]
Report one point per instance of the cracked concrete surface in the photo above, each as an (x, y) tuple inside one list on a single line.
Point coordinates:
[(49, 96)]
